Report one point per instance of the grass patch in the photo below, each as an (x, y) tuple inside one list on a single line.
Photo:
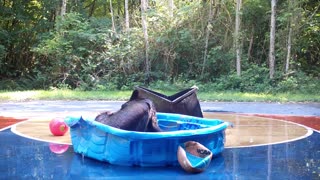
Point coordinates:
[(227, 96), (261, 97), (64, 95)]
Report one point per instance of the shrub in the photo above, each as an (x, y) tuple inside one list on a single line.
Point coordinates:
[(298, 82)]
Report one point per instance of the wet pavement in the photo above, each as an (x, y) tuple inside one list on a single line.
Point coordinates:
[(33, 107), (23, 158)]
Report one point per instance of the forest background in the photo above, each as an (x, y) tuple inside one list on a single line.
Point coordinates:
[(255, 46)]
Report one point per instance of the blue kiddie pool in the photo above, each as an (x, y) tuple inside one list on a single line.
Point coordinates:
[(130, 148)]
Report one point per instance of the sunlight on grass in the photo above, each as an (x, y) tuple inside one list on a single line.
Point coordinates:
[(18, 95), (257, 97), (65, 95), (227, 96)]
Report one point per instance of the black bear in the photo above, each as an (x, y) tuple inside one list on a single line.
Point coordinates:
[(134, 115)]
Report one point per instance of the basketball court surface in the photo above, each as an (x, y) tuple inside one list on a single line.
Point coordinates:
[(267, 141)]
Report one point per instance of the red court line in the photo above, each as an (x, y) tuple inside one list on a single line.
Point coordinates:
[(8, 121), (309, 121)]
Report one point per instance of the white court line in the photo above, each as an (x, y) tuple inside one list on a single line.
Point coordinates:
[(309, 132), (14, 130), (5, 128)]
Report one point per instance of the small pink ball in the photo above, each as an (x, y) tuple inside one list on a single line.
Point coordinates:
[(58, 127), (58, 148)]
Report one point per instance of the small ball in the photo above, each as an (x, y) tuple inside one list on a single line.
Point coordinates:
[(58, 127), (58, 148), (194, 157)]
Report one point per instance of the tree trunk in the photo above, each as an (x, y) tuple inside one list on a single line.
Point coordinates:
[(250, 43), (126, 15), (288, 49), (93, 4), (145, 33), (170, 4), (272, 39), (291, 4), (207, 39), (63, 8), (237, 38), (105, 7), (112, 19)]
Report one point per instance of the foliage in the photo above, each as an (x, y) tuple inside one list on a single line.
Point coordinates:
[(308, 45), (299, 82), (75, 53), (254, 79), (41, 50), (20, 23)]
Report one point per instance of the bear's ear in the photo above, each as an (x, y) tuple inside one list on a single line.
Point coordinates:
[(109, 113), (134, 95), (106, 113), (149, 103)]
